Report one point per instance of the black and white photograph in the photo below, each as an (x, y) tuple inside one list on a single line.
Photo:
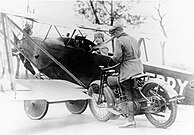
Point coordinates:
[(91, 67)]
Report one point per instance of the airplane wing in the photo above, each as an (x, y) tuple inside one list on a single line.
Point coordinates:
[(57, 22), (51, 90), (22, 15), (95, 27)]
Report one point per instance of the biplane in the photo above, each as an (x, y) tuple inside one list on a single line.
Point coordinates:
[(67, 62), (70, 68)]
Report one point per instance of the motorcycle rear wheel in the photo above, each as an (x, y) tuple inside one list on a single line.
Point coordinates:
[(99, 111), (164, 113)]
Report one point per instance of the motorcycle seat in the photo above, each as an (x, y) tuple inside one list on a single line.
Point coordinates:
[(114, 80), (141, 75)]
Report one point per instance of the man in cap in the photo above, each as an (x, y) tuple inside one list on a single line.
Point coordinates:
[(127, 53)]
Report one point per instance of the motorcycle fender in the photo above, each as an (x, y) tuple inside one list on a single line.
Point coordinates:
[(107, 92), (95, 82), (171, 92)]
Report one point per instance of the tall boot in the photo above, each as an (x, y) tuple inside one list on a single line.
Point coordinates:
[(130, 123)]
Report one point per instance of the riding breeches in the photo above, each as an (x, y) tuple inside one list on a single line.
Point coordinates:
[(127, 87)]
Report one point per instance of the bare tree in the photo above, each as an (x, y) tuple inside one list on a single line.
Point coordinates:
[(160, 19)]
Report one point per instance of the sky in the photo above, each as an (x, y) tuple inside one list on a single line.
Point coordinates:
[(179, 22)]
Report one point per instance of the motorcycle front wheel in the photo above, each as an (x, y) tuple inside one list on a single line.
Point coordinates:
[(99, 111), (161, 113)]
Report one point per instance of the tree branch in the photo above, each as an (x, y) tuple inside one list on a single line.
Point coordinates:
[(161, 18), (94, 12), (100, 11), (106, 9)]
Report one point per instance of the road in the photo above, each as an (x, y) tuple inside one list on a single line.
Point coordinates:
[(58, 120)]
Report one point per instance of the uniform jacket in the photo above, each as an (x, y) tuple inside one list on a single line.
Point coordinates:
[(127, 52)]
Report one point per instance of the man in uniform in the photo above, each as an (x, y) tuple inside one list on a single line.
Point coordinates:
[(127, 53)]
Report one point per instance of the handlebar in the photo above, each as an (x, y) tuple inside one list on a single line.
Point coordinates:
[(109, 68)]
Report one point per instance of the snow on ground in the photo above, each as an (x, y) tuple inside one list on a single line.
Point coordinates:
[(58, 120)]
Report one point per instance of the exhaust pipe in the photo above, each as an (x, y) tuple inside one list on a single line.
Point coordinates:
[(179, 97), (113, 111)]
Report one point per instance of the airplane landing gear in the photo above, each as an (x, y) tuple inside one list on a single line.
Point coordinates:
[(36, 109), (77, 106)]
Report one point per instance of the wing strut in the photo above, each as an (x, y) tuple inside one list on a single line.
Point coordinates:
[(71, 37), (47, 33), (5, 33)]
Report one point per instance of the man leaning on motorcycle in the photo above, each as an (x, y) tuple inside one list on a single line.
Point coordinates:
[(127, 53)]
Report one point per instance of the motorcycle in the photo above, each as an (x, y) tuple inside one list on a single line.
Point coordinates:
[(151, 96)]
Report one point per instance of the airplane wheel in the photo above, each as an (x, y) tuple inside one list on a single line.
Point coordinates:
[(77, 107), (36, 109)]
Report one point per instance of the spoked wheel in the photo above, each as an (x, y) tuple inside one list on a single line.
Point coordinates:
[(161, 113), (77, 106), (36, 109), (99, 111)]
